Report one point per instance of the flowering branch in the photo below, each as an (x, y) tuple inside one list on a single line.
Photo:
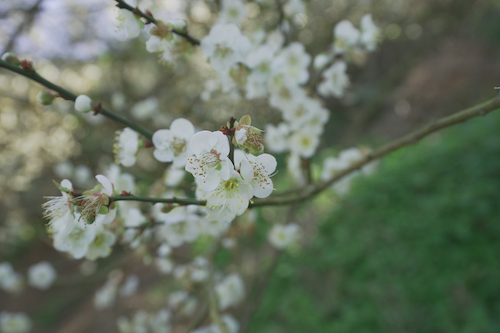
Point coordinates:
[(30, 73), (149, 18), (412, 138), (175, 200)]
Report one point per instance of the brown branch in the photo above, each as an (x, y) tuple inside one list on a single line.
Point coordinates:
[(149, 18), (412, 138), (28, 20)]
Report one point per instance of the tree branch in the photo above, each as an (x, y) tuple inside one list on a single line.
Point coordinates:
[(122, 4), (27, 21), (186, 201), (412, 138), (68, 95)]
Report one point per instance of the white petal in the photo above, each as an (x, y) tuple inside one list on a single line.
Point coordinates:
[(67, 184), (162, 138), (246, 171), (182, 128), (163, 155), (106, 184), (268, 161), (200, 142)]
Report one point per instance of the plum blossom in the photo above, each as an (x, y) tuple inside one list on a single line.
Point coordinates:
[(210, 163), (172, 145), (335, 80), (346, 36), (304, 142), (126, 147), (10, 280), (232, 11), (59, 210), (263, 167), (281, 236), (276, 137), (77, 242), (42, 275), (225, 45), (230, 291), (292, 62), (14, 322), (95, 203), (129, 21), (231, 197), (320, 61), (370, 33), (101, 245)]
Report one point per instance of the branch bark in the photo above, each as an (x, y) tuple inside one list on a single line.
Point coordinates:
[(68, 95), (122, 4), (186, 201), (412, 138)]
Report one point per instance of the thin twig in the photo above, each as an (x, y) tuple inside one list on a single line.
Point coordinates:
[(185, 201), (68, 95), (27, 21), (122, 4), (412, 138)]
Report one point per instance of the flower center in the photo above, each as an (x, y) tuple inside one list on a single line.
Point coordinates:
[(222, 51)]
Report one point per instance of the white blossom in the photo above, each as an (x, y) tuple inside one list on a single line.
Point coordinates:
[(121, 181), (335, 80), (230, 291), (172, 145), (130, 23), (126, 147), (210, 164), (94, 206), (77, 242), (14, 322), (232, 11), (292, 62), (320, 61), (346, 36), (42, 275), (304, 142), (225, 45), (231, 197), (105, 296), (101, 246), (130, 286), (10, 281), (370, 33), (281, 236), (164, 265), (276, 137), (262, 168), (59, 210)]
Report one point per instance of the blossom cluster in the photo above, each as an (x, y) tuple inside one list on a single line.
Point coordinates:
[(229, 166), (269, 68)]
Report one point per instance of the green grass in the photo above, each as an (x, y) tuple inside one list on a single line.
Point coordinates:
[(414, 248)]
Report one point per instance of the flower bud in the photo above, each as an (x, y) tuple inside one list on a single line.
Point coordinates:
[(247, 137), (83, 104), (11, 58), (180, 25), (46, 97)]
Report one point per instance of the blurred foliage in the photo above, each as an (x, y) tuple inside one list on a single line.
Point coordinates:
[(414, 248)]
